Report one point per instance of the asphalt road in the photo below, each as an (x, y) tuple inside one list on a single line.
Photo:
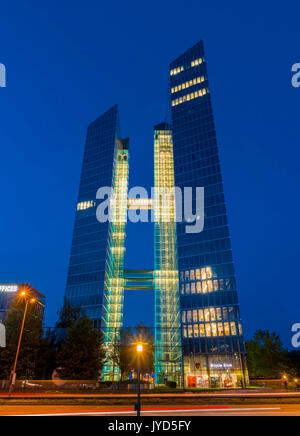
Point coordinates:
[(186, 410), (226, 394)]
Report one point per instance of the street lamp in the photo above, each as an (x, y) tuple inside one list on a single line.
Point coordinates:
[(13, 374), (139, 349)]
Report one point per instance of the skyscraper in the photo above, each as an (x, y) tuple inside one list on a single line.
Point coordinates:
[(212, 337), (87, 264), (198, 333)]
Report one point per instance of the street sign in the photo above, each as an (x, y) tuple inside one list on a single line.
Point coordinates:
[(2, 335)]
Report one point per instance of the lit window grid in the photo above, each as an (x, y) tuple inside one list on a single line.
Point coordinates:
[(191, 96), (187, 84), (175, 71), (208, 314), (211, 329), (193, 63), (197, 62), (83, 205)]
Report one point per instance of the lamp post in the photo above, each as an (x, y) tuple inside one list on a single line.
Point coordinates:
[(13, 374), (139, 349)]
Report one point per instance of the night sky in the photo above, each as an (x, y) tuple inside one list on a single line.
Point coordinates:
[(68, 61)]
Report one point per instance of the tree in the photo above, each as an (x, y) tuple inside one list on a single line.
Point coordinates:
[(31, 340), (81, 354), (68, 315), (294, 358), (266, 356)]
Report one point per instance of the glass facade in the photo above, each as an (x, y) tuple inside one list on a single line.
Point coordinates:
[(87, 265), (212, 337)]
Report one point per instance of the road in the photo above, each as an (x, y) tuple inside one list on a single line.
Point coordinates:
[(184, 411), (226, 394)]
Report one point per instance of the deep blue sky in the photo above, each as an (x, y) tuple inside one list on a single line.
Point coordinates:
[(69, 61)]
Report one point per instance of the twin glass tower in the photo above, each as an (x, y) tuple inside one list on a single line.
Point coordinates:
[(198, 334)]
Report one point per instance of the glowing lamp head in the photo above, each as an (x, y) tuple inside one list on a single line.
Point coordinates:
[(23, 293), (32, 300), (139, 348)]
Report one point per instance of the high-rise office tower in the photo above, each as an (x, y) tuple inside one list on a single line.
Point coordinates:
[(212, 338), (198, 332), (88, 259)]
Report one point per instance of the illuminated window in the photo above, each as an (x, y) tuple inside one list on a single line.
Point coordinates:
[(199, 288), (204, 287), (214, 329), (219, 314), (198, 275), (190, 330), (240, 328), (206, 314), (209, 285), (220, 329), (193, 288), (195, 317), (212, 314), (196, 331), (208, 330), (226, 329), (189, 316), (201, 330), (200, 315), (233, 328), (208, 272)]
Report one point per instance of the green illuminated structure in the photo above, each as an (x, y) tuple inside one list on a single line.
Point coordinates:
[(164, 279), (114, 277), (168, 354)]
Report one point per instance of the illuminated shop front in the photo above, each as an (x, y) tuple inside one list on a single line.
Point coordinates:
[(219, 371)]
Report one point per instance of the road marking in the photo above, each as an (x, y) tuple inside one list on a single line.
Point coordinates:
[(126, 412)]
